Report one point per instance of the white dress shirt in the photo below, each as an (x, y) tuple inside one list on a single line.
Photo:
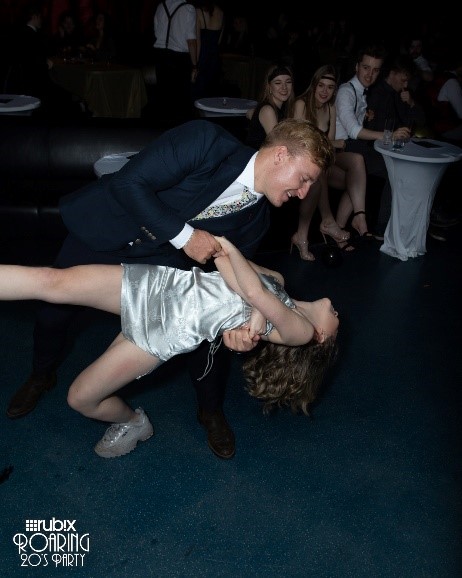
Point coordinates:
[(451, 92), (351, 108), (232, 193), (182, 26), (422, 64)]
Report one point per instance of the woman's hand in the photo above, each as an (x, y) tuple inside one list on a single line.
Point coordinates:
[(239, 340), (256, 324), (225, 246)]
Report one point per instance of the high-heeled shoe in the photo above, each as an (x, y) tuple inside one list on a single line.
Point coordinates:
[(302, 247), (342, 245), (334, 232), (366, 236)]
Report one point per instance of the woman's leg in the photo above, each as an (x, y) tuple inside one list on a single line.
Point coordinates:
[(354, 198), (305, 214), (95, 286), (91, 393), (329, 225)]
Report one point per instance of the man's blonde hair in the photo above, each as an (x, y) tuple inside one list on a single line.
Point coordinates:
[(301, 138)]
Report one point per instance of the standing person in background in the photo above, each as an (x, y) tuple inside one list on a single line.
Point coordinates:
[(30, 66), (348, 173), (175, 55), (100, 43), (209, 32), (446, 98), (68, 39), (423, 67), (237, 38)]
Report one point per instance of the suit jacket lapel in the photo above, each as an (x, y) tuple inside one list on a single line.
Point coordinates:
[(224, 176)]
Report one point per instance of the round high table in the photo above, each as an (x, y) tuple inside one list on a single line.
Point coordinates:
[(415, 173), (20, 104), (221, 106)]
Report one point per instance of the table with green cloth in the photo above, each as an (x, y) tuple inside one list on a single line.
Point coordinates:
[(107, 89)]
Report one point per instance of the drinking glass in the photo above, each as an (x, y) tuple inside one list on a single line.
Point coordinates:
[(388, 131), (398, 144)]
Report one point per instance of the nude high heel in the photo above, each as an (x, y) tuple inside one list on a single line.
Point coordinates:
[(334, 232), (302, 247)]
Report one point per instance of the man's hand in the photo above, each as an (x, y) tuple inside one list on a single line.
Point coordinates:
[(407, 98), (201, 246), (239, 340), (403, 132)]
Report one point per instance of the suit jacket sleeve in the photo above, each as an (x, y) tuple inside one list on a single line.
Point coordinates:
[(152, 197), (168, 182)]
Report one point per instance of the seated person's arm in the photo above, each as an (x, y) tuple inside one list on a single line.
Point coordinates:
[(268, 118), (367, 134), (300, 110)]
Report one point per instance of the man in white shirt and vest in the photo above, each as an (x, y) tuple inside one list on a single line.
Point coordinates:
[(175, 56)]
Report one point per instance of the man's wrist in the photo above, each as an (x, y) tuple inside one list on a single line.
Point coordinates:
[(189, 240)]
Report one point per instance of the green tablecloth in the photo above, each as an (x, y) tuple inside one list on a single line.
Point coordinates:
[(108, 90)]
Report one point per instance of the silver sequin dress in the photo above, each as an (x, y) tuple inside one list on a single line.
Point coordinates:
[(167, 311)]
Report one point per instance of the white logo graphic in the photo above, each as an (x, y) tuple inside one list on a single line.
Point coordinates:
[(52, 542)]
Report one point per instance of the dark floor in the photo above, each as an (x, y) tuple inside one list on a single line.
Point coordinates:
[(371, 486)]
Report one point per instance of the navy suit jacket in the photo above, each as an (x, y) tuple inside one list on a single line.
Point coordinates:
[(149, 200)]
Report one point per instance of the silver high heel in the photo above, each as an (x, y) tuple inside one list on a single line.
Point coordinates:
[(335, 232), (302, 247)]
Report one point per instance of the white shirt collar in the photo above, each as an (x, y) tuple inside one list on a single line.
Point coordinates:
[(357, 85), (247, 177)]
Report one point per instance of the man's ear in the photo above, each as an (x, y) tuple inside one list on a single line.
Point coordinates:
[(280, 153)]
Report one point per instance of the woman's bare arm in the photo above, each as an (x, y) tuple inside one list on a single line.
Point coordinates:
[(268, 118), (292, 328)]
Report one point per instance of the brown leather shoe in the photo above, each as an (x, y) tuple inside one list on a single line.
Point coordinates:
[(28, 395), (219, 435)]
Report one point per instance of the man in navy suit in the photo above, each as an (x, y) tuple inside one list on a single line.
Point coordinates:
[(163, 207)]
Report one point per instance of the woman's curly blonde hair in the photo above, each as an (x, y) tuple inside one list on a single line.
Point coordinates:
[(281, 375)]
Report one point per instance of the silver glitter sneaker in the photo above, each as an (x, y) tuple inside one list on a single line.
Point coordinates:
[(121, 438)]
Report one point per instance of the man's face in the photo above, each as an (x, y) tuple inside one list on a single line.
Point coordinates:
[(415, 48), (368, 69), (287, 177), (398, 80)]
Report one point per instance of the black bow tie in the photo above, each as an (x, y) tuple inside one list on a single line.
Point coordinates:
[(365, 91)]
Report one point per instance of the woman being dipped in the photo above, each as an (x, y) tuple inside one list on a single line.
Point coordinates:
[(166, 311)]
